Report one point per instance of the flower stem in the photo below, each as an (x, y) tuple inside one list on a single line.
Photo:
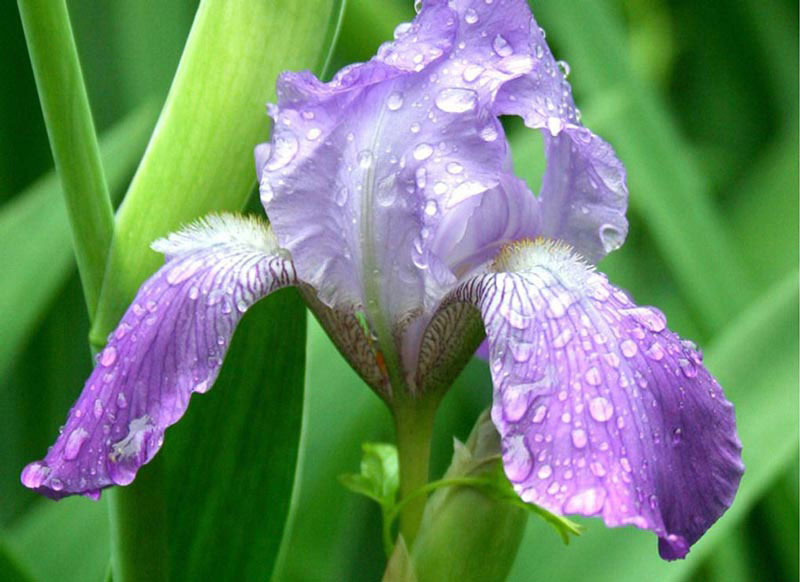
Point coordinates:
[(414, 427), (73, 141)]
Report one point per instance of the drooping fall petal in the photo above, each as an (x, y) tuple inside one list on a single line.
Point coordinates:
[(168, 345)]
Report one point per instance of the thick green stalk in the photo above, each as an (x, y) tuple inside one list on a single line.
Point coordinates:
[(73, 141), (413, 421)]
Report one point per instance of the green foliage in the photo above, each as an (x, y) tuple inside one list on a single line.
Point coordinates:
[(699, 100)]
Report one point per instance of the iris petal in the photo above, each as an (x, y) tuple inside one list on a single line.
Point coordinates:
[(168, 345), (601, 408)]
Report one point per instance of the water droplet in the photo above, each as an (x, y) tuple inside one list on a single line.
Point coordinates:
[(56, 484), (587, 502), (431, 208), (655, 352), (313, 133), (516, 64), (365, 158), (688, 367), (472, 72), (122, 402), (517, 459), (554, 125), (423, 151), (75, 441), (194, 292), (454, 168), (109, 356), (515, 401), (454, 100), (563, 338), (579, 438), (593, 377), (395, 101), (439, 188), (564, 66), (420, 177), (611, 237), (283, 151), (601, 409), (463, 191), (417, 6), (470, 16), (98, 408), (501, 46), (341, 196), (414, 127), (544, 472), (677, 436), (650, 317), (402, 29), (488, 133), (539, 414), (629, 348), (626, 464)]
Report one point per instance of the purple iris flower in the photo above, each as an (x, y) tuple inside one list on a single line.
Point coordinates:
[(393, 208)]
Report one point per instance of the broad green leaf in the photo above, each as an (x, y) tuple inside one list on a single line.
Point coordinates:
[(10, 568), (678, 211), (36, 393), (230, 463), (200, 158), (768, 196), (67, 541), (334, 529), (35, 236), (756, 362)]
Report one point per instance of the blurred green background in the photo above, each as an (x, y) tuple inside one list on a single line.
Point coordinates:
[(700, 99)]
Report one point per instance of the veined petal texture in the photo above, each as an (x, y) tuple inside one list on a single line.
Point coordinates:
[(168, 345), (394, 180), (601, 408)]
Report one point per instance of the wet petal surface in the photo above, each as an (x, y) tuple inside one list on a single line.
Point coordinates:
[(602, 409), (168, 345)]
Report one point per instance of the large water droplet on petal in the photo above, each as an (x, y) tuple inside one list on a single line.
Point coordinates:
[(472, 72), (395, 101), (649, 317), (454, 100), (74, 443), (587, 502), (109, 356), (517, 459), (579, 438), (611, 237), (601, 409), (283, 151), (423, 151), (463, 191), (501, 46)]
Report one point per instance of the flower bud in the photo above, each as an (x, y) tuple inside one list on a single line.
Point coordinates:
[(470, 532)]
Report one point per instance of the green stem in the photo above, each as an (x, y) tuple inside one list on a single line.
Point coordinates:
[(414, 427), (138, 534), (73, 141)]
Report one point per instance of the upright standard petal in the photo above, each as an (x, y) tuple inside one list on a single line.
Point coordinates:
[(602, 409), (169, 344)]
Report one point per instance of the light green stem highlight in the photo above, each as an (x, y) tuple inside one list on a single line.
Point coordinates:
[(414, 428), (73, 141)]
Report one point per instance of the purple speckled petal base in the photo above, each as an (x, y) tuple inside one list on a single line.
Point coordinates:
[(602, 409), (169, 344)]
